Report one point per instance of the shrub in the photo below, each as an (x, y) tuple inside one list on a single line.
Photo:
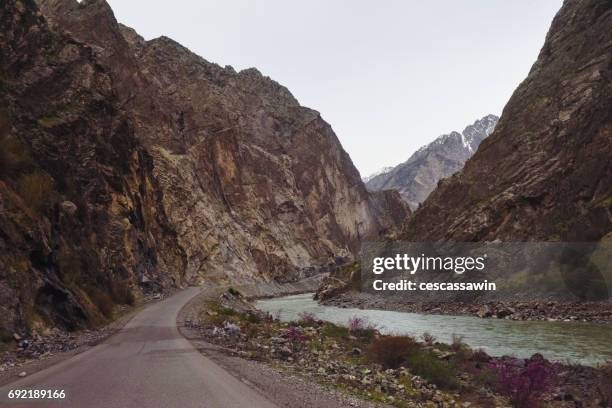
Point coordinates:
[(361, 327), (216, 320), (334, 331), (220, 309), (525, 382), (295, 334), (392, 351), (485, 377), (36, 189), (251, 330), (251, 317), (428, 338), (457, 343), (480, 356), (268, 317), (307, 318), (434, 370), (357, 323)]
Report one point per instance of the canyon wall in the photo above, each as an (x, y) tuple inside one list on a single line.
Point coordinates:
[(132, 165)]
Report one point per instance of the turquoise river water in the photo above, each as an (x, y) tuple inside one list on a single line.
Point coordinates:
[(576, 342)]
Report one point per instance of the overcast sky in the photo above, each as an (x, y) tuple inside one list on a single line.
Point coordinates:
[(389, 76)]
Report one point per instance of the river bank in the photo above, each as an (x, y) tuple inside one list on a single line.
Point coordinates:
[(421, 372), (342, 289), (575, 342), (549, 310)]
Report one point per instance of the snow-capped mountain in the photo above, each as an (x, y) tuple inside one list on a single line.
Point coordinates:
[(419, 175), (377, 173)]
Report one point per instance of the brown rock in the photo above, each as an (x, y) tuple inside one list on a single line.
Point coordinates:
[(544, 173)]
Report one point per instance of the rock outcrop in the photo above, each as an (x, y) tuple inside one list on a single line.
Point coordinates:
[(131, 164), (544, 174), (418, 176), (546, 171), (80, 219)]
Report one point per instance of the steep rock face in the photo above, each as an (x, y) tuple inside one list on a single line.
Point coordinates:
[(80, 220), (128, 164), (253, 183), (546, 171), (418, 176)]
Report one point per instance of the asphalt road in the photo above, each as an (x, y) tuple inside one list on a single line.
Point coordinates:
[(146, 364)]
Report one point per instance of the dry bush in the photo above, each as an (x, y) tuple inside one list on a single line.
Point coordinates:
[(480, 356), (392, 351), (457, 343), (429, 338)]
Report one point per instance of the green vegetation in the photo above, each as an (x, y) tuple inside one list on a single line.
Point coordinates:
[(434, 370), (333, 331), (392, 351)]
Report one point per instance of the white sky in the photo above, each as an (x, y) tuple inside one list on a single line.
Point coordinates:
[(389, 76)]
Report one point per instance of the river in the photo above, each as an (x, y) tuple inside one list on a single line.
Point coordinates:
[(575, 342)]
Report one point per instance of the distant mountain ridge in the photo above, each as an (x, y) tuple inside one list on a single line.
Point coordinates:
[(419, 175)]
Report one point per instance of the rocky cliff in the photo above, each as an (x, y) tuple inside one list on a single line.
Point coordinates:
[(544, 174), (418, 176), (546, 171), (130, 164)]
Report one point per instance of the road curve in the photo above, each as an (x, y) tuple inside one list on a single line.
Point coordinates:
[(146, 364)]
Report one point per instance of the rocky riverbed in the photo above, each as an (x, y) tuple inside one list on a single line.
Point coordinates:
[(594, 312)]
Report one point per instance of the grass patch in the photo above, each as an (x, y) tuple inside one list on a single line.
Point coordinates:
[(436, 371), (334, 331), (218, 308), (404, 351)]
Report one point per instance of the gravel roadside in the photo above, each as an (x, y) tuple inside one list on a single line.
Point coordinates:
[(284, 388)]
